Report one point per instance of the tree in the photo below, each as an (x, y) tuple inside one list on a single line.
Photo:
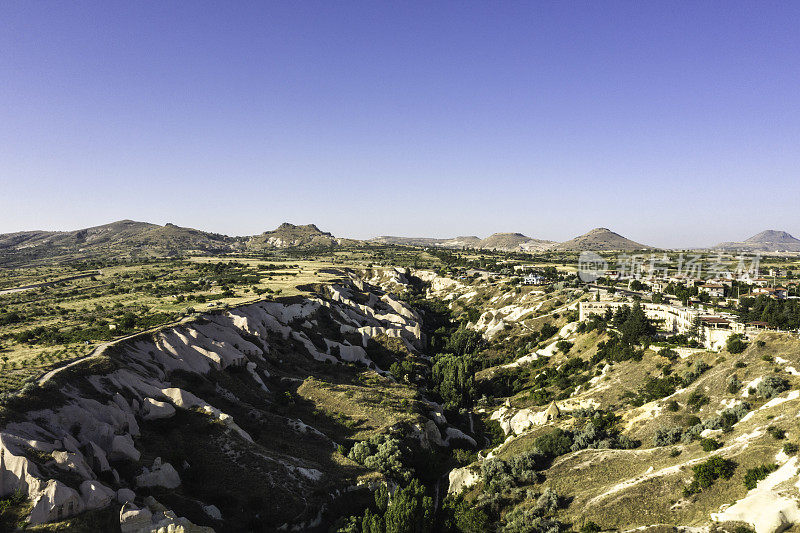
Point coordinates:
[(410, 511), (636, 326), (454, 379), (735, 344), (555, 443)]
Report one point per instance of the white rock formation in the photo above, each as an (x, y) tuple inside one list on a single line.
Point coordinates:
[(159, 475), (156, 410), (520, 421), (772, 506), (461, 479), (125, 495), (55, 502), (96, 495)]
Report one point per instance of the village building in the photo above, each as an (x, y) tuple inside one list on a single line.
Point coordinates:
[(778, 293), (715, 290), (711, 329), (534, 279)]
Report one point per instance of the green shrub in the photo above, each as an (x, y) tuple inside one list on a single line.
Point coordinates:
[(500, 475), (691, 420), (705, 474), (771, 386), (555, 443), (696, 400), (734, 385), (709, 445), (735, 344), (410, 510), (382, 453), (564, 346), (667, 436), (590, 527), (669, 353), (754, 475), (790, 448), (776, 433)]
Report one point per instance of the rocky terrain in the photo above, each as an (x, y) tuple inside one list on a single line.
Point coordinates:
[(466, 404), (232, 421), (508, 242), (736, 410), (136, 238), (291, 236)]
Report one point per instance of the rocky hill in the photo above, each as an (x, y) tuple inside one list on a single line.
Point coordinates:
[(596, 239), (131, 239), (291, 236), (600, 239), (234, 420), (302, 413), (766, 241), (126, 238), (513, 242)]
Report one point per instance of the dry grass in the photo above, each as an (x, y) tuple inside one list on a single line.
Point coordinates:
[(368, 407)]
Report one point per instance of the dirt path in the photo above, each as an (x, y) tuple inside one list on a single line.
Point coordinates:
[(48, 283), (102, 347)]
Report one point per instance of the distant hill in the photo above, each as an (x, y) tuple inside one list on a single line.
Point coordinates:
[(600, 239), (513, 242), (132, 239), (291, 236), (510, 242), (455, 242), (124, 238), (766, 241)]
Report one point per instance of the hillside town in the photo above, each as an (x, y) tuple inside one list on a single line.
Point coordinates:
[(707, 310)]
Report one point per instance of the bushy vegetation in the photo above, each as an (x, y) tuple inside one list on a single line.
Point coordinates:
[(655, 388), (705, 474), (776, 433), (533, 518), (461, 516), (667, 436), (709, 445), (724, 421), (599, 431), (754, 475), (500, 475), (697, 400), (734, 385), (382, 453), (735, 344), (782, 314), (453, 378), (771, 386), (10, 515), (409, 510)]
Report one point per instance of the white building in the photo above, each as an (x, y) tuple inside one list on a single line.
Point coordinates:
[(713, 330)]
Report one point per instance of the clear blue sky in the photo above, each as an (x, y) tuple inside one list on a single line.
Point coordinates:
[(673, 123)]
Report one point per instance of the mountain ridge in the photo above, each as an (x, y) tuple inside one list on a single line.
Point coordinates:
[(765, 241)]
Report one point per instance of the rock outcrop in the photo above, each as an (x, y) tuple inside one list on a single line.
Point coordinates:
[(93, 432)]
